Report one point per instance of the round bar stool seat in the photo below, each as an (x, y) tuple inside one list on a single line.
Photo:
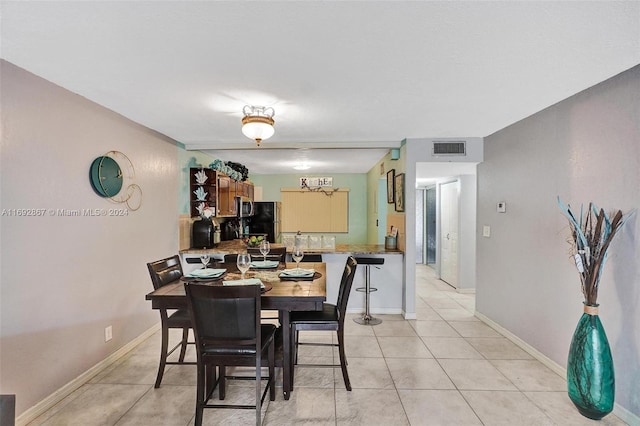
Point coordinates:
[(366, 318)]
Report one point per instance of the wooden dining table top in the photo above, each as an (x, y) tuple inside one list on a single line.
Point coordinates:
[(280, 293)]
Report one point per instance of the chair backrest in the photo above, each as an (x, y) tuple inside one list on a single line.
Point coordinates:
[(276, 253), (312, 258), (164, 271), (230, 258), (226, 316), (345, 286)]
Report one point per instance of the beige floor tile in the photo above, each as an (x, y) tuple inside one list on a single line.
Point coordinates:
[(134, 369), (360, 347), (500, 408), (99, 404), (315, 351), (561, 410), (321, 377), (418, 374), (369, 407), (440, 301), (427, 313), (497, 348), (366, 373), (168, 405), (307, 406), (394, 328), (451, 347), (433, 329), (437, 407), (530, 375), (473, 329), (403, 347), (475, 374), (352, 328), (456, 314), (180, 375)]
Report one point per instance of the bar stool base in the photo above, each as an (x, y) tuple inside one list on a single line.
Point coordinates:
[(367, 320)]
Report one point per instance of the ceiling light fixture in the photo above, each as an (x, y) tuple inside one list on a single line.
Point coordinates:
[(257, 122), (302, 166)]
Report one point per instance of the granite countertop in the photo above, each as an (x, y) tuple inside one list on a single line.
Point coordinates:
[(238, 246)]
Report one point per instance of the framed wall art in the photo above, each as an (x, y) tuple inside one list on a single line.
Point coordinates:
[(391, 174), (399, 192)]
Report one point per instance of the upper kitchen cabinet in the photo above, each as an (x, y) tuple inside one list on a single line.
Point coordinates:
[(203, 186), (227, 190)]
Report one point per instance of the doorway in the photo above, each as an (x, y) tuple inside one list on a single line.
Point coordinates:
[(449, 232), (430, 226)]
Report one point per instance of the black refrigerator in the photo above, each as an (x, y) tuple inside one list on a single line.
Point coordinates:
[(266, 219)]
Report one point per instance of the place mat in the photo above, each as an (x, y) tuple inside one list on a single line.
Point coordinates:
[(206, 273), (315, 276), (202, 280), (261, 264)]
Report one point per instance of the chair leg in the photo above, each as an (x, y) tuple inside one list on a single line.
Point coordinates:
[(258, 387), (221, 390), (272, 371), (183, 348), (343, 359), (164, 347), (200, 394), (295, 346)]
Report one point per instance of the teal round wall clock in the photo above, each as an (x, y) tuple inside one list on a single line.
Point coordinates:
[(106, 176), (112, 176)]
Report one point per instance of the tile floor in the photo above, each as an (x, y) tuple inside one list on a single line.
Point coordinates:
[(445, 368)]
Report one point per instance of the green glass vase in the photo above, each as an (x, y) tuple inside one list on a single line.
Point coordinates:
[(590, 375)]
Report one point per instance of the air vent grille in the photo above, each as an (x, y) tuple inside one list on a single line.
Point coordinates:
[(449, 148)]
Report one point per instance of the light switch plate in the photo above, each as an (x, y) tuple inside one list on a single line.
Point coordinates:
[(486, 231), (502, 207)]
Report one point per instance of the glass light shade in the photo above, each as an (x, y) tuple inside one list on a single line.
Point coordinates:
[(257, 129)]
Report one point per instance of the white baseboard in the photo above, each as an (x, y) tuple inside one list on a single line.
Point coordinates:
[(624, 414), (66, 390), (466, 290)]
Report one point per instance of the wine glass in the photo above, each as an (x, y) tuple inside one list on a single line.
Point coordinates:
[(297, 255), (264, 249), (244, 263), (205, 260)]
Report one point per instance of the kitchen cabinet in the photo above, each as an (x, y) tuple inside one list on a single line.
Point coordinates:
[(221, 192), (227, 189), (208, 187), (312, 211)]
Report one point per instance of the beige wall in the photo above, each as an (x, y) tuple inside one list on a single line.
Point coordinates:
[(64, 279)]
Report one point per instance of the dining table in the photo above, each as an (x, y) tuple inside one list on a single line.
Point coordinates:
[(280, 292)]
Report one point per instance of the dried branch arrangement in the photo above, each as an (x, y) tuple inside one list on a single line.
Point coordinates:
[(592, 232)]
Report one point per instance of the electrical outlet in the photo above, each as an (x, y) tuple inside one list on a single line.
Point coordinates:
[(108, 334)]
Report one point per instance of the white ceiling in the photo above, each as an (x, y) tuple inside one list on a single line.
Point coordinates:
[(338, 74)]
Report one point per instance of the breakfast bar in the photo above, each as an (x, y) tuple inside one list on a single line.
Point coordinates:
[(388, 278)]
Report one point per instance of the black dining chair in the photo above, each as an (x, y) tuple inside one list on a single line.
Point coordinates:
[(275, 253), (330, 318), (228, 331), (163, 272)]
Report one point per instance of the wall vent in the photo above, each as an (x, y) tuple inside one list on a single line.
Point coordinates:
[(449, 148)]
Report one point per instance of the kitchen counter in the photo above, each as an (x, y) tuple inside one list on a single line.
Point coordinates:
[(387, 278), (238, 246)]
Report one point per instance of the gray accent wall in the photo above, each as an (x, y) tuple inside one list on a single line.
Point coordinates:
[(585, 148), (65, 278)]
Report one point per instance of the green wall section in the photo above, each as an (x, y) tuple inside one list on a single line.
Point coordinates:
[(356, 183)]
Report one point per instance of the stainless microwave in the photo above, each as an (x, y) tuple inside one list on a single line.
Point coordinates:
[(244, 207)]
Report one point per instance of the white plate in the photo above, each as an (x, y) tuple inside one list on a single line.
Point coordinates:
[(248, 281), (206, 273), (263, 264), (298, 273)]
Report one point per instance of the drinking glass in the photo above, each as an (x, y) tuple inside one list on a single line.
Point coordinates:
[(205, 260), (297, 255), (243, 263), (264, 249)]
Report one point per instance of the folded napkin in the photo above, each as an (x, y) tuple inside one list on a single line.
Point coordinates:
[(298, 272), (263, 264), (206, 273), (248, 281)]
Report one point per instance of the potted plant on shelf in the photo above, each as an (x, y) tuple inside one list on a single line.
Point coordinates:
[(590, 373)]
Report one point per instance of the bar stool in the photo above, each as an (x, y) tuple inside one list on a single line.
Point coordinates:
[(367, 319)]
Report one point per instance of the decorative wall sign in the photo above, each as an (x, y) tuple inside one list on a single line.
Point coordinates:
[(399, 192), (391, 174), (316, 182)]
